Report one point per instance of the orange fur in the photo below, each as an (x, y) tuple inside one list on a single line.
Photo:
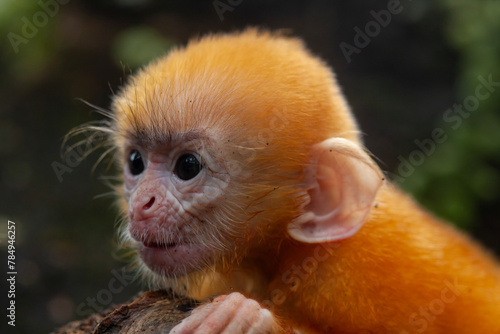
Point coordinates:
[(264, 100), (397, 265)]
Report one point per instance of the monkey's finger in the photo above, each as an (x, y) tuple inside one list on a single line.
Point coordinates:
[(207, 318), (264, 323), (191, 323), (247, 313), (223, 314)]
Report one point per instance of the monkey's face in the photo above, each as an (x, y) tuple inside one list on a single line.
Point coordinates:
[(172, 187)]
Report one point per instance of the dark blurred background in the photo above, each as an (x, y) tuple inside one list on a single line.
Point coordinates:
[(406, 67)]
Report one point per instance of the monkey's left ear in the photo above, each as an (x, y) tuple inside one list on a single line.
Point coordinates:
[(343, 182)]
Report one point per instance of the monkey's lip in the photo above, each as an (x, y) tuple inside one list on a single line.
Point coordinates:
[(171, 259)]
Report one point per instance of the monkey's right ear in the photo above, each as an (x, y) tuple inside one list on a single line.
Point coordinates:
[(343, 182)]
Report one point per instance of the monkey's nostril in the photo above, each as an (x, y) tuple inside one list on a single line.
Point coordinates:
[(149, 204)]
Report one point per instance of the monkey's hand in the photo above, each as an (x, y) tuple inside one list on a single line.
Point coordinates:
[(233, 313)]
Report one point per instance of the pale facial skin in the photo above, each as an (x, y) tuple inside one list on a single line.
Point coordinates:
[(170, 186)]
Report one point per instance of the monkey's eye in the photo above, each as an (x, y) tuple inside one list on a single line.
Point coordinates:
[(187, 167), (135, 163)]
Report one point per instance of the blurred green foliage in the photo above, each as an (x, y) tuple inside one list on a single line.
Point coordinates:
[(463, 174), (34, 49), (137, 46)]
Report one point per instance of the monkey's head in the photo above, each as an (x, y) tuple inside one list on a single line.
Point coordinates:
[(236, 141)]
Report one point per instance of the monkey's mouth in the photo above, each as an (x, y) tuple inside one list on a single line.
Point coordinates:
[(154, 244), (171, 258)]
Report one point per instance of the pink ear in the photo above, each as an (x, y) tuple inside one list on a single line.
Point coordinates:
[(343, 181)]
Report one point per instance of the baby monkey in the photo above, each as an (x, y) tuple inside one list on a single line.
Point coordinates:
[(244, 176)]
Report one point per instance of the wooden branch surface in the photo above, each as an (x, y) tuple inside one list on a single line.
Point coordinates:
[(150, 312)]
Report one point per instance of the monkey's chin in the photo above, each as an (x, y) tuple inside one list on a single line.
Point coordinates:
[(172, 260)]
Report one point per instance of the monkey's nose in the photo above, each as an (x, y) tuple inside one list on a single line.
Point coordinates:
[(149, 204), (145, 207)]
